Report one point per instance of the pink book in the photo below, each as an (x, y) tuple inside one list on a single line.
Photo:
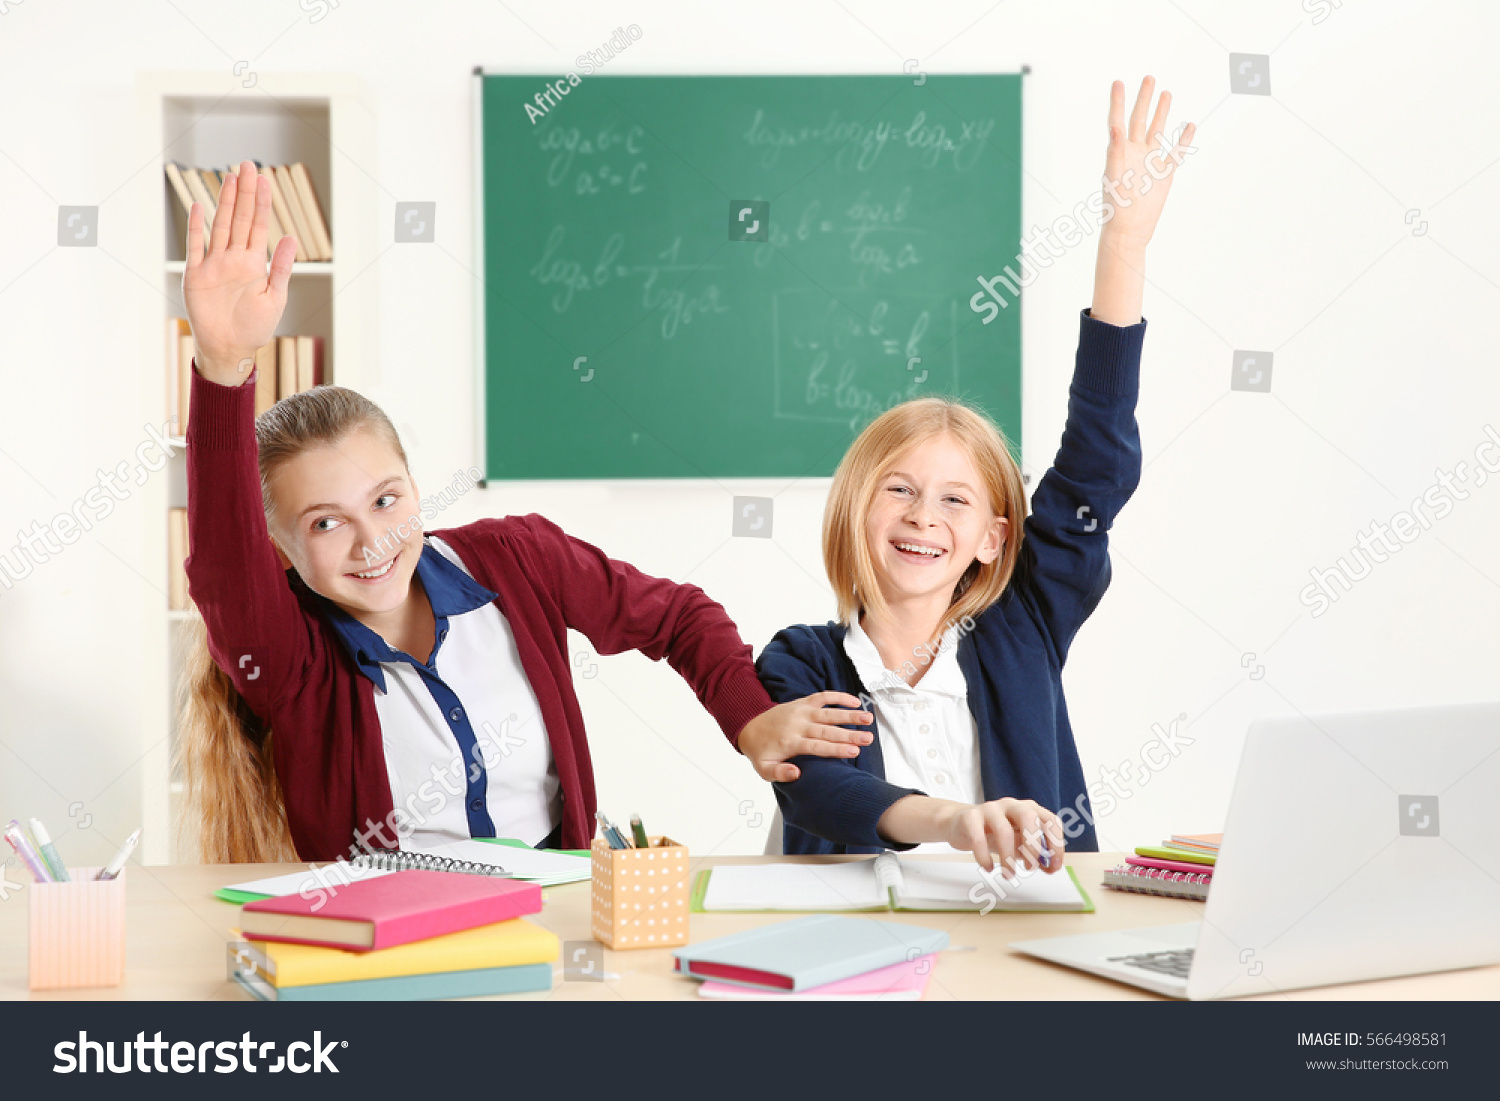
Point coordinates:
[(900, 982), (1170, 865), (390, 910)]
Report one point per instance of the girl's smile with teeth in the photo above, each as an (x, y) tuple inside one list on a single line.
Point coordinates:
[(918, 548), (377, 574)]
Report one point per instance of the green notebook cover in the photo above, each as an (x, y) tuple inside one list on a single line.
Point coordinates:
[(1187, 856), (700, 888), (443, 984)]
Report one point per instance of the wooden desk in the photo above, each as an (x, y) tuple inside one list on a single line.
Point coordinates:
[(177, 931)]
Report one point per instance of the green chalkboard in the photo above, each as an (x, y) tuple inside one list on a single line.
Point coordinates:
[(632, 332)]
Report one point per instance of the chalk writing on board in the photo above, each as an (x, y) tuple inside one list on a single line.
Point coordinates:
[(835, 364), (880, 240), (609, 158), (662, 284), (571, 276), (678, 307), (933, 145)]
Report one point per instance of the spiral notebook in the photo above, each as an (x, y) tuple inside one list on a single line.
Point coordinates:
[(1142, 880), (485, 858), (544, 868)]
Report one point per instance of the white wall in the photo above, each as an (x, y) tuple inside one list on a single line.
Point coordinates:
[(1285, 233)]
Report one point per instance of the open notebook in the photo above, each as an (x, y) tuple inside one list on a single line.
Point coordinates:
[(885, 882)]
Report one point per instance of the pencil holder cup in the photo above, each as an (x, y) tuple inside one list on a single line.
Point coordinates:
[(640, 896), (77, 935)]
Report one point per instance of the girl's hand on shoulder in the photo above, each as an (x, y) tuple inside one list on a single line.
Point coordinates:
[(810, 725), (232, 304), (1140, 164), (1013, 829)]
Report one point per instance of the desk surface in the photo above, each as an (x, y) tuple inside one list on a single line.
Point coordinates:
[(176, 933)]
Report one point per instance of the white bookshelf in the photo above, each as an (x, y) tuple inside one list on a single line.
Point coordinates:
[(210, 119)]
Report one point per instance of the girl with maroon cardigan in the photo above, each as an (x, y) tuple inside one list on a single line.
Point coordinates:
[(326, 616)]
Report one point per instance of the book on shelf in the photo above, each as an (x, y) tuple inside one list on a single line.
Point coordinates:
[(177, 327), (282, 213), (284, 366), (295, 207), (311, 211), (199, 192), (177, 545)]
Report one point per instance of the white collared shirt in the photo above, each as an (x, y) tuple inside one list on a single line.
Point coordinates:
[(928, 736), (480, 662)]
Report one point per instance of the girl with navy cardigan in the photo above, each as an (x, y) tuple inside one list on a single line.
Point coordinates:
[(936, 582)]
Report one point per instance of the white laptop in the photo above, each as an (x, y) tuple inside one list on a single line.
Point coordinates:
[(1358, 845)]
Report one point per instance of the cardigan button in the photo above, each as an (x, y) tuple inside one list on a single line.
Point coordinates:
[(456, 714), (477, 805)]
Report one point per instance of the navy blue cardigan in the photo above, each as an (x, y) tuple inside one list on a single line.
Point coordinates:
[(1012, 661)]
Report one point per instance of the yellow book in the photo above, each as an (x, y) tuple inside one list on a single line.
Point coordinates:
[(504, 944)]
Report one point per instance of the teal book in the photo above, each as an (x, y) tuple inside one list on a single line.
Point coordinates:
[(409, 988), (810, 951)]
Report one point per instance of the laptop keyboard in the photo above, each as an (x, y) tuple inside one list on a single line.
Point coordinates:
[(1174, 963)]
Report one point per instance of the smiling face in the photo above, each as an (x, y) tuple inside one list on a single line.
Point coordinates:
[(347, 517), (931, 518)]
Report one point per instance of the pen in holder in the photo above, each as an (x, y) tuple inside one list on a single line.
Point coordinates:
[(77, 935), (640, 896)]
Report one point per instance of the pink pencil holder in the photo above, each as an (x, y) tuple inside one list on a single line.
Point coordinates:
[(77, 934)]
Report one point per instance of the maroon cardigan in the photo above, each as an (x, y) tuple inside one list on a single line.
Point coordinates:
[(266, 631)]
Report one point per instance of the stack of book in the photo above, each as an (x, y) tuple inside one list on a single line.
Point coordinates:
[(294, 204), (397, 936), (286, 365), (1181, 867)]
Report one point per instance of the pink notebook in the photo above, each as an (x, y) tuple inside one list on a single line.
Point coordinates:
[(900, 982), (1170, 865), (394, 909)]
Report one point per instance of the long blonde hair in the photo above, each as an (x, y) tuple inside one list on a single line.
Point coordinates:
[(232, 800), (846, 554)]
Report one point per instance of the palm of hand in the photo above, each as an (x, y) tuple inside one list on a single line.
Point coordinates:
[(1139, 166), (230, 305), (233, 304)]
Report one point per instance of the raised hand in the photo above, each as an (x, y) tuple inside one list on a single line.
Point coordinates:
[(1138, 174), (233, 305), (1139, 166)]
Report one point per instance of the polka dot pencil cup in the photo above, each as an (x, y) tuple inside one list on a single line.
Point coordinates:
[(640, 896)]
